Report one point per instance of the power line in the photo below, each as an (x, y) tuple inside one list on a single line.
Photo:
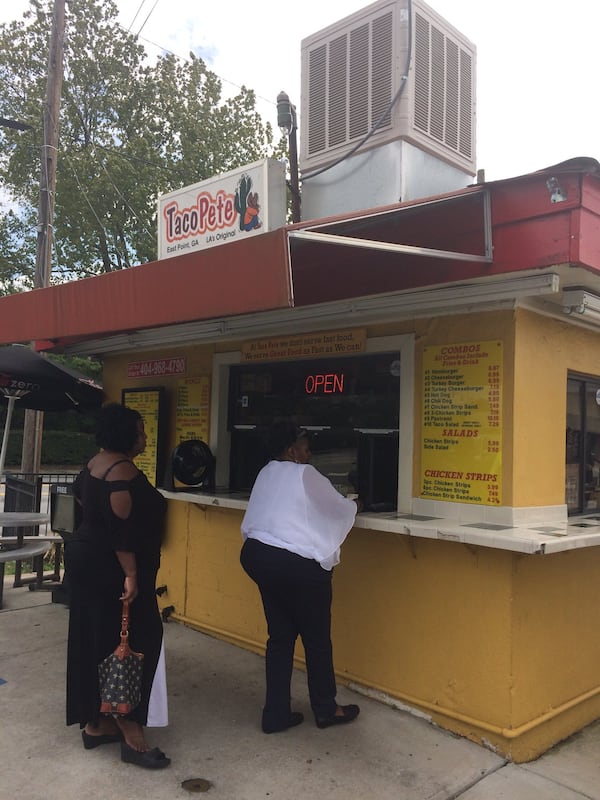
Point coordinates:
[(136, 15), (120, 194), (148, 17), (183, 58)]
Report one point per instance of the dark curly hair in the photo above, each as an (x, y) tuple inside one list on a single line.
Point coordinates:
[(117, 427), (281, 435)]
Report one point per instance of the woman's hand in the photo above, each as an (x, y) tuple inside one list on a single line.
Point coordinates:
[(130, 588)]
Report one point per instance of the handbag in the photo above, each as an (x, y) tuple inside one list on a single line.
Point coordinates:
[(120, 675)]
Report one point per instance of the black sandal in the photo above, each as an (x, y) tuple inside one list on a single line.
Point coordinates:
[(149, 759), (90, 741)]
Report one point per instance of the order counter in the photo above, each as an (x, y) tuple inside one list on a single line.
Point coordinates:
[(536, 537)]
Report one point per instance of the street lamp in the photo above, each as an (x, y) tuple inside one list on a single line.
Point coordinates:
[(15, 124), (286, 120)]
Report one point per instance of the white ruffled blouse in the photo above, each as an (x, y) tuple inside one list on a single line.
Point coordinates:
[(295, 507)]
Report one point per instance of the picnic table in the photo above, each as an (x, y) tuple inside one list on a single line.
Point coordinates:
[(21, 547)]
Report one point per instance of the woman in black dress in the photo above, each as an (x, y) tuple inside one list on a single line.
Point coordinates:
[(114, 556)]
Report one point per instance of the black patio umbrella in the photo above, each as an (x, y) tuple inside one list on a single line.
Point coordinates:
[(37, 382)]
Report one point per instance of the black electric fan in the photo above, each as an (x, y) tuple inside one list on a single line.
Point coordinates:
[(192, 465)]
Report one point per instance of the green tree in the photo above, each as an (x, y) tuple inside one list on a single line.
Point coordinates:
[(129, 130), (17, 250)]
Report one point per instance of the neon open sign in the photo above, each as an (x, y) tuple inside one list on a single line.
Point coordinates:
[(324, 383)]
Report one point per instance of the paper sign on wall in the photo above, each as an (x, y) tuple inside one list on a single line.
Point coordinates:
[(150, 405), (193, 406), (461, 454)]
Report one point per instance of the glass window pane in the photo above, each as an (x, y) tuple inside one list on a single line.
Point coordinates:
[(591, 498), (574, 455)]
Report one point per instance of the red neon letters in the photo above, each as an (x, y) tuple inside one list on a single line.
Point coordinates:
[(329, 383)]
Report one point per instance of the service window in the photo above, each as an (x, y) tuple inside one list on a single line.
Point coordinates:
[(582, 488), (350, 406)]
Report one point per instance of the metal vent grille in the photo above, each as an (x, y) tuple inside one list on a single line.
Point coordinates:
[(359, 82), (353, 69), (317, 75), (443, 88), (381, 68), (350, 84)]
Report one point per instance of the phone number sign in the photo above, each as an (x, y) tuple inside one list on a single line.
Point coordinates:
[(155, 367)]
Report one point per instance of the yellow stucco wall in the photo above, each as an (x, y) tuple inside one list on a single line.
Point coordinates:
[(546, 351), (489, 643), (500, 647)]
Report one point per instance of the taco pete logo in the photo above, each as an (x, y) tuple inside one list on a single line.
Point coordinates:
[(229, 207), (207, 214), (212, 216)]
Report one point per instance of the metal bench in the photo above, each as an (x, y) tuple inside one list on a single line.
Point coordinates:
[(32, 547)]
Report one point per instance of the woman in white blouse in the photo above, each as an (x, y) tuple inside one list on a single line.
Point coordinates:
[(292, 530)]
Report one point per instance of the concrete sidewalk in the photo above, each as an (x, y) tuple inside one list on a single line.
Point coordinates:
[(215, 695)]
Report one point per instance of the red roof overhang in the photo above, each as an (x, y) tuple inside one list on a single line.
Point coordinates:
[(484, 231), (237, 278)]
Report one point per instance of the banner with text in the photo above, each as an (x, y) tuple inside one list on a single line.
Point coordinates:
[(461, 456), (306, 345)]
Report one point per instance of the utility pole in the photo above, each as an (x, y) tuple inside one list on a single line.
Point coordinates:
[(32, 430)]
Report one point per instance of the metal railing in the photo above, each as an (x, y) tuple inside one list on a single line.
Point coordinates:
[(30, 491)]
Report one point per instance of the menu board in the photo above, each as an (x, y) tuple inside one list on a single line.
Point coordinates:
[(461, 454), (150, 404), (193, 404)]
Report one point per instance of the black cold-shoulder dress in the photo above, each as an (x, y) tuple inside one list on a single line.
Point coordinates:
[(96, 584)]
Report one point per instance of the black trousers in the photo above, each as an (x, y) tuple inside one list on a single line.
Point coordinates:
[(296, 596)]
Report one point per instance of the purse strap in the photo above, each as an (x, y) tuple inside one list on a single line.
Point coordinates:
[(125, 622)]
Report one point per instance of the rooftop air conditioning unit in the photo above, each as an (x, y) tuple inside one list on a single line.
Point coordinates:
[(353, 76)]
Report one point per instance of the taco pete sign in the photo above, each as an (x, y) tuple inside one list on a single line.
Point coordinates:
[(228, 208)]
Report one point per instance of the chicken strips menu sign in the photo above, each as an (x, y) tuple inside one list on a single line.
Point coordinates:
[(461, 454), (227, 208)]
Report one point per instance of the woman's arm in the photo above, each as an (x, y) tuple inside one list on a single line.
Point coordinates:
[(121, 505), (129, 567)]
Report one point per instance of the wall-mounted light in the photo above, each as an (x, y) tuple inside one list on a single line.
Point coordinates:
[(579, 301), (557, 193), (15, 124), (286, 120), (286, 114)]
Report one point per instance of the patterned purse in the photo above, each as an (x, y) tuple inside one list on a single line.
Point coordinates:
[(120, 675)]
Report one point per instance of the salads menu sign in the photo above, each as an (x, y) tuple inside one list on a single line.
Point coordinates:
[(227, 208), (461, 451)]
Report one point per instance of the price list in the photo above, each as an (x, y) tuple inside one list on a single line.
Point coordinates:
[(148, 404), (461, 455), (193, 405)]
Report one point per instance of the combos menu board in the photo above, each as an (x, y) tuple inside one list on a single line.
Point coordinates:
[(461, 454), (150, 404)]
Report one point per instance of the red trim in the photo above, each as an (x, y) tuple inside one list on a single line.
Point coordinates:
[(236, 278), (529, 231)]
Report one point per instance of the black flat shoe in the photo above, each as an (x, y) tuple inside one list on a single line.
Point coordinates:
[(350, 712), (89, 741), (295, 719), (151, 759)]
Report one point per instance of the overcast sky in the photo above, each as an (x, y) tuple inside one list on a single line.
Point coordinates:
[(537, 62)]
